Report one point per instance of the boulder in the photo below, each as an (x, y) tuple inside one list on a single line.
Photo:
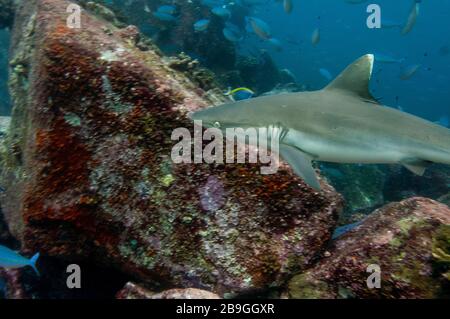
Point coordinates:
[(409, 242), (88, 173)]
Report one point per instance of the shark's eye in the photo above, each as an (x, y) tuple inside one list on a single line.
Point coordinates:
[(217, 124)]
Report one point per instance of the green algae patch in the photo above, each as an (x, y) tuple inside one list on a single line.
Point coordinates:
[(405, 224), (302, 287), (441, 251), (167, 180)]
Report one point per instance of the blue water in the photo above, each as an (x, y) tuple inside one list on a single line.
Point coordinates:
[(345, 36)]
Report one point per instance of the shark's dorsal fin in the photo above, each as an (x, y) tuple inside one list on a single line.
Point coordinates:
[(355, 78)]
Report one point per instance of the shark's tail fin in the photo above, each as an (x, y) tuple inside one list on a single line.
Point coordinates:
[(33, 261)]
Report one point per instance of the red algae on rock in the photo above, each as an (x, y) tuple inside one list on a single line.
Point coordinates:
[(89, 173), (408, 241)]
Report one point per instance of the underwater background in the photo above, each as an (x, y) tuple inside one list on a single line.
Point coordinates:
[(344, 35), (86, 176)]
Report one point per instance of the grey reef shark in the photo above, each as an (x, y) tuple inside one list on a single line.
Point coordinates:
[(342, 123)]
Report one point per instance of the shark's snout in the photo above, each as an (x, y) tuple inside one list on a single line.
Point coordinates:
[(197, 116), (206, 115)]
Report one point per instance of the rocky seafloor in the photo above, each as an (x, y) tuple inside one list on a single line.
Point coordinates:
[(88, 180)]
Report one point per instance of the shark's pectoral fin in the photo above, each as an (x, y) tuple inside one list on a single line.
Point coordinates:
[(416, 166), (301, 164)]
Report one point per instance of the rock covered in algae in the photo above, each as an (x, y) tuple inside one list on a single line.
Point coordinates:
[(88, 173), (135, 291), (11, 284), (5, 236), (409, 241)]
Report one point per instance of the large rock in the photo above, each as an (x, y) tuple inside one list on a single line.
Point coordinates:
[(409, 241), (89, 176), (5, 236)]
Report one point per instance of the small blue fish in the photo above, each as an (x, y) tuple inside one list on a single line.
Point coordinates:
[(164, 16), (231, 34), (315, 38), (259, 27), (408, 72), (288, 6), (11, 259), (345, 229), (326, 74), (167, 9), (240, 94), (201, 25)]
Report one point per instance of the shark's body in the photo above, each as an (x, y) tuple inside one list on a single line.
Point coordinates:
[(341, 129), (341, 123)]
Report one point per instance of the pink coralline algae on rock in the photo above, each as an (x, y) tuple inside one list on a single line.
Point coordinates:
[(89, 176), (407, 243), (212, 195)]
